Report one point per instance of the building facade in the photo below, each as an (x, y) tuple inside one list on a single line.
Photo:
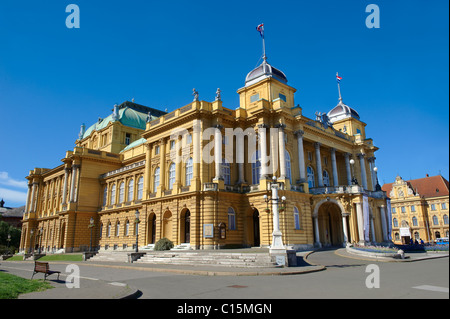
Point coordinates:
[(419, 209), (198, 175)]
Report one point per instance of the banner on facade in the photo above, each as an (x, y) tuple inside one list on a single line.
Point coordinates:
[(389, 218), (366, 218)]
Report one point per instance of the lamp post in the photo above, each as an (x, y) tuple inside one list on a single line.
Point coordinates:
[(354, 180), (91, 226), (277, 241), (136, 225), (8, 241)]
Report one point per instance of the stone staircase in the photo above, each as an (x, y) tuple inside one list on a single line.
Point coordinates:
[(202, 258), (111, 256)]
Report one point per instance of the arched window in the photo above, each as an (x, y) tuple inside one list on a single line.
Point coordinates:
[(416, 236), (445, 217), (395, 222), (405, 223), (121, 192), (288, 166), (310, 173), (156, 180), (296, 218), (108, 230), (140, 189), (231, 219), (326, 178), (189, 171), (171, 175), (101, 230), (414, 221), (117, 228), (226, 172), (105, 196), (256, 167), (127, 227), (435, 220), (112, 200), (130, 190), (397, 236)]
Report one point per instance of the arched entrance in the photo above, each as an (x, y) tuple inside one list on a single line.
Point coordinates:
[(328, 228), (62, 236), (151, 237), (185, 226), (256, 229)]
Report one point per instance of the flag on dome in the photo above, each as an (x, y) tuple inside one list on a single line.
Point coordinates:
[(260, 29)]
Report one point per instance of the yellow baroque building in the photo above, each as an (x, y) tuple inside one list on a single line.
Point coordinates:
[(205, 187), (420, 209)]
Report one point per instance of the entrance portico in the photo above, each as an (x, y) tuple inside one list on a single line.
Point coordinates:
[(330, 223)]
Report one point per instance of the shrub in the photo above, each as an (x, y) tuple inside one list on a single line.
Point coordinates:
[(163, 244)]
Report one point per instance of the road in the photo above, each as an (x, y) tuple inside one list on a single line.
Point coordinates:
[(344, 278)]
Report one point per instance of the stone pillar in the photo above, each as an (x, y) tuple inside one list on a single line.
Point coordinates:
[(162, 165), (282, 150), (33, 197), (73, 187), (66, 182), (372, 229), (383, 222), (147, 174), (348, 168), (360, 220), (197, 154), (363, 170), (263, 150), (218, 152), (344, 229), (334, 167), (27, 204), (372, 172), (319, 164), (301, 156), (316, 228)]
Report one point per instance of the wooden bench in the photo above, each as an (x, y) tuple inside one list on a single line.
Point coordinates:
[(44, 268)]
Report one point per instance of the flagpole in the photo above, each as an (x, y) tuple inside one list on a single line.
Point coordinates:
[(339, 87), (264, 46)]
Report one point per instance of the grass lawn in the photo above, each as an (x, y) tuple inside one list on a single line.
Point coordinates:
[(64, 257), (12, 286)]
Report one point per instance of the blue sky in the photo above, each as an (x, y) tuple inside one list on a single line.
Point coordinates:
[(53, 79)]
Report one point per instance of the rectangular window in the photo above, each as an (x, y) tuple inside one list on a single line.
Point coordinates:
[(254, 98), (444, 205), (156, 150), (394, 210), (403, 209), (172, 144), (433, 207), (413, 208), (310, 156), (127, 139)]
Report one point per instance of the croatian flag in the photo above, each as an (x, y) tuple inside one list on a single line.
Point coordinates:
[(338, 78), (260, 29)]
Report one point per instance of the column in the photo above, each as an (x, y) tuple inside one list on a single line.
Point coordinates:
[(33, 197), (319, 164), (363, 170), (301, 156), (277, 242), (360, 220), (240, 157), (147, 174), (282, 151), (372, 172), (218, 152), (263, 150), (66, 181), (162, 164), (372, 229), (334, 167), (348, 168), (316, 228), (27, 205), (383, 222), (197, 149), (344, 229), (73, 185)]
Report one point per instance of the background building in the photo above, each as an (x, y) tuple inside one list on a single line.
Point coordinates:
[(124, 163), (419, 208)]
